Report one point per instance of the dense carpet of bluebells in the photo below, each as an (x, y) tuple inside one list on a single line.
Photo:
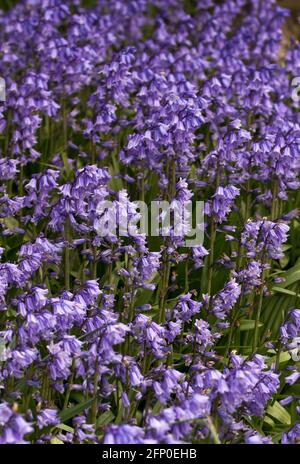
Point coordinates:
[(140, 339)]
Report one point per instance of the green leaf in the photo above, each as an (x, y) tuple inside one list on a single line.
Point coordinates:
[(56, 441), (65, 161), (284, 357), (269, 421), (285, 291), (157, 407), (106, 418), (291, 276), (68, 413), (274, 311), (279, 413), (248, 324), (286, 247), (65, 427)]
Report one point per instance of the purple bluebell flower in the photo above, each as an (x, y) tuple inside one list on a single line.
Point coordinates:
[(47, 417), (13, 426)]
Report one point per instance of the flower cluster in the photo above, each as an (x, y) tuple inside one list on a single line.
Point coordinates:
[(120, 337)]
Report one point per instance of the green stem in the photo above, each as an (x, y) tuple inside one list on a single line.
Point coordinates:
[(238, 267), (69, 389), (67, 255), (94, 263), (46, 387), (258, 313), (213, 232), (145, 360), (93, 151), (232, 328), (94, 409), (274, 208), (186, 276), (166, 263), (213, 431), (164, 289), (142, 192)]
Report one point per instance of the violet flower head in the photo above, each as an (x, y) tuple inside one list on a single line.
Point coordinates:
[(13, 427)]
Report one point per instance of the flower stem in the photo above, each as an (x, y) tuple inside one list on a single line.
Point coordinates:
[(67, 255), (213, 232), (258, 313), (213, 431), (94, 409)]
